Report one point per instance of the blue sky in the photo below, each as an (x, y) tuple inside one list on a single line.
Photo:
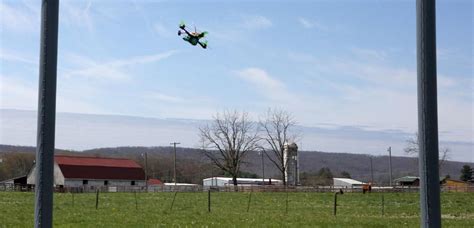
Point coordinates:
[(330, 63)]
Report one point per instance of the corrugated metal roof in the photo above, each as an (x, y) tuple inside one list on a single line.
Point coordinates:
[(95, 161), (349, 181), (76, 167), (406, 179)]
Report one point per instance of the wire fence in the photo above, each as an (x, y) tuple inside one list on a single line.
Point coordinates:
[(229, 188)]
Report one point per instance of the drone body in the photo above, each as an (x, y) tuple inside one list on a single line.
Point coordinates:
[(193, 38)]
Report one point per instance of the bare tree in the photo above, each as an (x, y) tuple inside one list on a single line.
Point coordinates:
[(276, 127), (228, 139), (412, 148)]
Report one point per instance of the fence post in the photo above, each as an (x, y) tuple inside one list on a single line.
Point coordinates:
[(172, 203), (250, 198), (97, 199), (136, 201), (383, 205), (335, 204)]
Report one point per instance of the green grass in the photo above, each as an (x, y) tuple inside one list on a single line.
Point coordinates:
[(230, 210)]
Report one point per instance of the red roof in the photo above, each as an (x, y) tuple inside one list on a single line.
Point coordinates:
[(99, 168), (154, 182)]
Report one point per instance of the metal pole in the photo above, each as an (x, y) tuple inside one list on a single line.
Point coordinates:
[(174, 158), (263, 170), (146, 171), (427, 114), (390, 163), (46, 114), (371, 171)]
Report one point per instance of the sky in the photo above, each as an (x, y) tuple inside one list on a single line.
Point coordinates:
[(332, 64)]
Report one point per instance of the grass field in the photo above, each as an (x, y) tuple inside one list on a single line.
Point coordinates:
[(230, 210)]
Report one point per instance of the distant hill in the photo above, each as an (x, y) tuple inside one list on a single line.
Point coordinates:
[(358, 165)]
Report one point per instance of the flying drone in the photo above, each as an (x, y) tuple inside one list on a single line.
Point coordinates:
[(193, 38)]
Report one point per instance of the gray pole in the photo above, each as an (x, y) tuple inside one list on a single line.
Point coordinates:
[(146, 171), (371, 171), (427, 114), (390, 163), (263, 170), (174, 162), (46, 114)]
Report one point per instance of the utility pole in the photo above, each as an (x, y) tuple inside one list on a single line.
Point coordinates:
[(46, 114), (390, 163), (174, 158), (371, 171), (427, 114), (263, 168), (146, 170)]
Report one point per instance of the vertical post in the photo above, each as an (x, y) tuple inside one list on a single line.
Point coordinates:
[(263, 169), (371, 171), (390, 163), (46, 114), (383, 205), (209, 200), (97, 199), (146, 172), (427, 114), (250, 199), (136, 200), (174, 160), (335, 204)]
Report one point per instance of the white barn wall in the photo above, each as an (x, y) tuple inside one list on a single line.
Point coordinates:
[(58, 176)]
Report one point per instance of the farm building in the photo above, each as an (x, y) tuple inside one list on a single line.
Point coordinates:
[(456, 185), (347, 183), (408, 181), (21, 180), (227, 181), (75, 171)]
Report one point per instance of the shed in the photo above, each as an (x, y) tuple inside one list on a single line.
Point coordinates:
[(408, 181), (227, 181), (347, 183)]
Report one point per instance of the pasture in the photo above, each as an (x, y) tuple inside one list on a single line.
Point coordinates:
[(229, 209)]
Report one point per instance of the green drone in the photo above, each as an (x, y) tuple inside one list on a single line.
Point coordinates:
[(193, 38)]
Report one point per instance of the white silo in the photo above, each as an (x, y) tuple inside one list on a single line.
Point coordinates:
[(290, 156)]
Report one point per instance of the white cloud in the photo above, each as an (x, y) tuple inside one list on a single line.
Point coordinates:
[(260, 78), (77, 14), (256, 22), (18, 18), (162, 30), (113, 69), (12, 56), (373, 93), (17, 93), (369, 54), (164, 97), (306, 23)]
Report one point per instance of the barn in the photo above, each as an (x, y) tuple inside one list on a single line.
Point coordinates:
[(91, 172)]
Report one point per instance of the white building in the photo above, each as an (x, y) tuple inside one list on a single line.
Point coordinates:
[(347, 183), (89, 172), (227, 181)]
